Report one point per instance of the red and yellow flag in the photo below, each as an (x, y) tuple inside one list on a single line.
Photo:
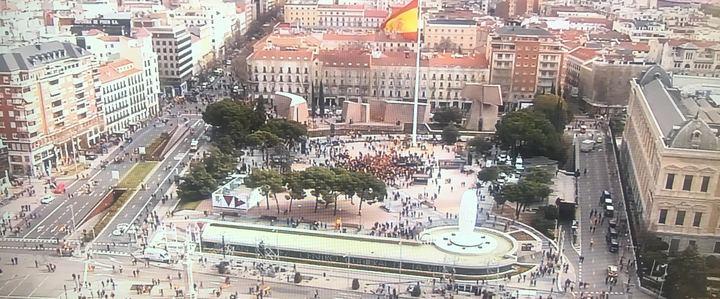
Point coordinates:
[(404, 21)]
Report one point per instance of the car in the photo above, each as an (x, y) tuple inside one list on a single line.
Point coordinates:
[(612, 271), (609, 211), (613, 245), (47, 199)]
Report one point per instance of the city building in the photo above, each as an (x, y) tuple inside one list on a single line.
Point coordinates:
[(173, 46), (311, 14), (688, 57), (124, 101), (517, 8), (451, 35), (136, 50), (49, 105), (271, 71), (641, 30), (524, 62), (671, 158)]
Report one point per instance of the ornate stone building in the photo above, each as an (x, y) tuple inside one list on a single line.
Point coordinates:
[(671, 159)]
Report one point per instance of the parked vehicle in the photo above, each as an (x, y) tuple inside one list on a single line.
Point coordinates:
[(609, 211), (153, 254), (47, 199)]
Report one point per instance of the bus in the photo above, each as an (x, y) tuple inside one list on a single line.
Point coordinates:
[(194, 145)]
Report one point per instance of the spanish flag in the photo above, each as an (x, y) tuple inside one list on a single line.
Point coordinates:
[(404, 21)]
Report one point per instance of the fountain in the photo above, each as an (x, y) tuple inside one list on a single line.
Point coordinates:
[(466, 238)]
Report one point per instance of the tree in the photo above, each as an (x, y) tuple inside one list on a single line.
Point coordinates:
[(269, 181), (219, 164), (450, 134), (447, 115), (539, 175), (289, 131), (313, 101), (370, 189), (297, 278), (479, 145), (355, 284), (319, 180), (295, 185), (264, 140), (232, 122), (523, 193), (529, 133), (198, 184), (488, 174), (321, 99), (686, 276), (446, 45), (544, 220), (554, 108)]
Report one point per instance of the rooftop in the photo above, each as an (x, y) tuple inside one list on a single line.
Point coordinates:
[(281, 55), (352, 58), (517, 30), (584, 54), (683, 108), (452, 22), (35, 56), (117, 69)]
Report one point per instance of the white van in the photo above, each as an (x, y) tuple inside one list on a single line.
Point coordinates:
[(155, 255)]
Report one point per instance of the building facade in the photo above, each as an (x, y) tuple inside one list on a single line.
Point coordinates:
[(173, 46), (671, 160), (445, 35), (524, 61), (124, 101), (49, 105), (687, 57)]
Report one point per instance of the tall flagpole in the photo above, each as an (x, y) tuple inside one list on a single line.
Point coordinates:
[(417, 76)]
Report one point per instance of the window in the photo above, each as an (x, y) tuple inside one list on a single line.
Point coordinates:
[(680, 218), (674, 244), (716, 249), (692, 243), (705, 184), (697, 219), (670, 181), (663, 216), (687, 183)]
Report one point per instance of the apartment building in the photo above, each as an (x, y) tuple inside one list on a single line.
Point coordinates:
[(641, 30), (688, 57), (137, 48), (273, 70), (173, 46), (49, 105), (524, 61), (310, 14), (124, 101), (220, 24), (671, 159), (517, 8), (450, 35)]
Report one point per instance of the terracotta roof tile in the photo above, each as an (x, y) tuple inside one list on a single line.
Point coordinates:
[(109, 71), (697, 43), (584, 54), (353, 58), (642, 47)]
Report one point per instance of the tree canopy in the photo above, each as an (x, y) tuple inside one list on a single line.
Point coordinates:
[(530, 133), (480, 145), (198, 184), (218, 164), (447, 115), (289, 131), (450, 134), (554, 108), (269, 181), (686, 276), (233, 122)]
